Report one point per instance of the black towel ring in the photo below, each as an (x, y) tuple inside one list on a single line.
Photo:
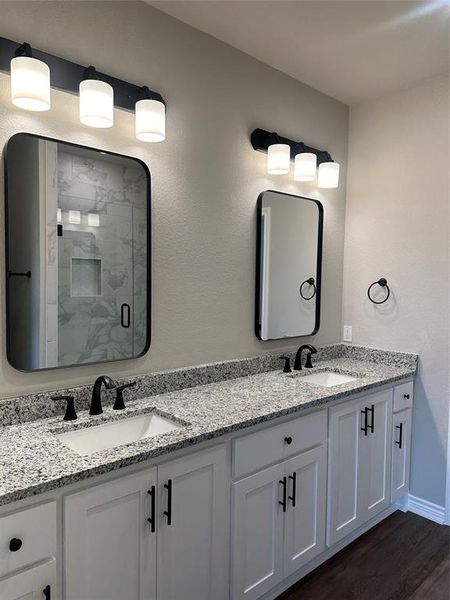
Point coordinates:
[(383, 283), (313, 284)]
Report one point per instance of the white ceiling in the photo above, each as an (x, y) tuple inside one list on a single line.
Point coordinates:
[(349, 49)]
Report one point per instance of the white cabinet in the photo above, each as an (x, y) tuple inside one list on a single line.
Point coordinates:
[(278, 522), (401, 453), (110, 549), (113, 551), (359, 458), (37, 583), (192, 536)]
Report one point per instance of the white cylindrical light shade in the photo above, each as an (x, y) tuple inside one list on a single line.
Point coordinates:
[(96, 103), (150, 120), (278, 159), (328, 175), (305, 166), (30, 83)]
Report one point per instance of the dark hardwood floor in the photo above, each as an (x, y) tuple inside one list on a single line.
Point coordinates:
[(405, 557)]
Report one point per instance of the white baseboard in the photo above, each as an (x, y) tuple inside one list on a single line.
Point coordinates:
[(424, 508)]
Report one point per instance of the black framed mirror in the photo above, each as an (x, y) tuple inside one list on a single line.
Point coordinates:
[(288, 265), (77, 254)]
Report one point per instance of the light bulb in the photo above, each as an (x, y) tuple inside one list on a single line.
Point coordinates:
[(96, 103), (30, 83), (150, 120), (278, 159), (305, 166), (328, 175)]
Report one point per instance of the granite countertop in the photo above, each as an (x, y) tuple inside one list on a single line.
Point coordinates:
[(33, 460)]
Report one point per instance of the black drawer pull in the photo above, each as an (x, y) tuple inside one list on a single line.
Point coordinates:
[(364, 428), (151, 519), (293, 498), (283, 502), (399, 442), (168, 512), (406, 396), (288, 440), (47, 591), (372, 422), (15, 544)]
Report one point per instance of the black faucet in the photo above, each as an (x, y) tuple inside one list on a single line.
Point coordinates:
[(298, 357), (96, 402)]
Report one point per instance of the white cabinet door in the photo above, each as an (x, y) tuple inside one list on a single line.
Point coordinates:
[(192, 526), (375, 455), (401, 454), (304, 531), (37, 583), (257, 533), (110, 549), (343, 468)]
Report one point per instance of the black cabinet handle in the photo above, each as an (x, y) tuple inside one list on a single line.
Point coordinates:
[(406, 396), (293, 498), (284, 486), (47, 591), (151, 519), (400, 437), (288, 440), (372, 421), (125, 314), (364, 428), (168, 512), (15, 544)]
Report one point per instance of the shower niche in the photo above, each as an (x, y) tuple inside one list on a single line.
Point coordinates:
[(78, 254)]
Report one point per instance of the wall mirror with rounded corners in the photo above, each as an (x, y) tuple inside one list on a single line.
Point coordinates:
[(288, 266), (77, 254)]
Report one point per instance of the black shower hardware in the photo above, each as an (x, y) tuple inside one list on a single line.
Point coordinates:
[(119, 404), (382, 282), (262, 139), (287, 364), (298, 357), (312, 283), (96, 401), (70, 414), (24, 274)]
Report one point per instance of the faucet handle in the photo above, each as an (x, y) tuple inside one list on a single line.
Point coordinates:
[(70, 414), (119, 404), (287, 364)]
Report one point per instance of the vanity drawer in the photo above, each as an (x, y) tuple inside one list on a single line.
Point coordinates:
[(255, 451), (403, 396), (27, 536)]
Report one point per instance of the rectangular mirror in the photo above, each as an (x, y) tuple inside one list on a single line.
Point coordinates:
[(288, 266), (77, 254)]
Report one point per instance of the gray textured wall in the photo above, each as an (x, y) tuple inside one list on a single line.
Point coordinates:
[(397, 226), (206, 177)]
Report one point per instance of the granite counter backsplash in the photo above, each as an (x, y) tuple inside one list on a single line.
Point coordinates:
[(31, 407), (210, 401)]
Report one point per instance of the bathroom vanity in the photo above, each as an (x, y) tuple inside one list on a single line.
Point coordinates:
[(258, 479)]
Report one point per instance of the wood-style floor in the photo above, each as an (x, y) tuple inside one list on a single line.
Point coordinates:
[(405, 557)]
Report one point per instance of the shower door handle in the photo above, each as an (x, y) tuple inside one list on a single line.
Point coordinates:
[(125, 313)]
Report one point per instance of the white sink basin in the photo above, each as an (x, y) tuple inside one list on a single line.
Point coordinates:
[(328, 378), (117, 433)]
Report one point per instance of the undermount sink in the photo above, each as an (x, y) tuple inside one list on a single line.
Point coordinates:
[(89, 440), (328, 378)]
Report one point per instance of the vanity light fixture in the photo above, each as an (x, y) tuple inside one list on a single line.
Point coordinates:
[(150, 117), (278, 159), (74, 217), (305, 166), (328, 175), (306, 158), (99, 93), (96, 101), (30, 81)]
